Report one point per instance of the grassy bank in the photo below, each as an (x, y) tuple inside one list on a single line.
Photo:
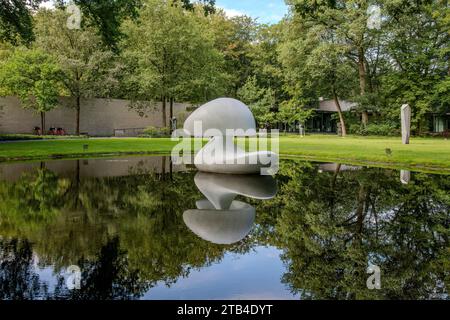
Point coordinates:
[(422, 152)]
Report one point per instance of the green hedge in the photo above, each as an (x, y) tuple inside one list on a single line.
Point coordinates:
[(375, 129), (153, 132)]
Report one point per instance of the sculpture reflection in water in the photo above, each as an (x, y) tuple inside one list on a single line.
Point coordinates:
[(220, 218)]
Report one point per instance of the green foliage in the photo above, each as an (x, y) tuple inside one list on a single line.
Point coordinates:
[(376, 129), (16, 22), (127, 232), (89, 69), (332, 225), (34, 76), (419, 47), (261, 101), (153, 132), (292, 110), (106, 16), (207, 5), (234, 38), (181, 50), (171, 55), (405, 61)]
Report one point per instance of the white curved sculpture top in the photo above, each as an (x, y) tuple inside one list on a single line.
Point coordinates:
[(221, 114)]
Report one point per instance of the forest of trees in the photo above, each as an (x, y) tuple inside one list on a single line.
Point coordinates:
[(190, 51)]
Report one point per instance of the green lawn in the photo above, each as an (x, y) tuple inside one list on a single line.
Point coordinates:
[(431, 153), (422, 152)]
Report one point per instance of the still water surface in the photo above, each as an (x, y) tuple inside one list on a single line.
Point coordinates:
[(140, 228)]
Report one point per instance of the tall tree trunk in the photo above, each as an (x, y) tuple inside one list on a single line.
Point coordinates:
[(362, 81), (333, 186), (360, 209), (163, 168), (78, 108), (339, 110), (171, 108), (164, 115), (171, 168), (42, 123), (335, 175), (171, 113)]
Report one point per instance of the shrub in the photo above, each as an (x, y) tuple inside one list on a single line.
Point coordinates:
[(153, 132), (376, 129)]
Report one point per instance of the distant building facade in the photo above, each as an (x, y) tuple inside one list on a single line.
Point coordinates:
[(439, 122), (325, 120), (98, 117)]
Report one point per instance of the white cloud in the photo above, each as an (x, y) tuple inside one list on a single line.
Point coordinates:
[(232, 12)]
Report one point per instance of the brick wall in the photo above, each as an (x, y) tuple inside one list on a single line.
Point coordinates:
[(98, 117)]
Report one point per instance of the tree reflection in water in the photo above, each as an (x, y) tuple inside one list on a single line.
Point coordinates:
[(127, 233), (18, 280), (333, 224)]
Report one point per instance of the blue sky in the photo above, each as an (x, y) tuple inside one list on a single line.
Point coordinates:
[(267, 11)]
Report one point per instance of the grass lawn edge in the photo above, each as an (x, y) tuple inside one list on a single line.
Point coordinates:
[(320, 159)]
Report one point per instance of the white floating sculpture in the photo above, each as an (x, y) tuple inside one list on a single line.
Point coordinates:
[(406, 123), (222, 120), (221, 219)]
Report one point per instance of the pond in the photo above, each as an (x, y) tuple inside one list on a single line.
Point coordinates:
[(140, 228)]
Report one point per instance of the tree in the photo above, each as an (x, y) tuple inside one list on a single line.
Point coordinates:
[(314, 65), (266, 65), (347, 21), (292, 111), (106, 16), (208, 5), (34, 77), (16, 23), (418, 48), (260, 100), (18, 277), (171, 56), (331, 225), (117, 229), (89, 69), (233, 37)]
